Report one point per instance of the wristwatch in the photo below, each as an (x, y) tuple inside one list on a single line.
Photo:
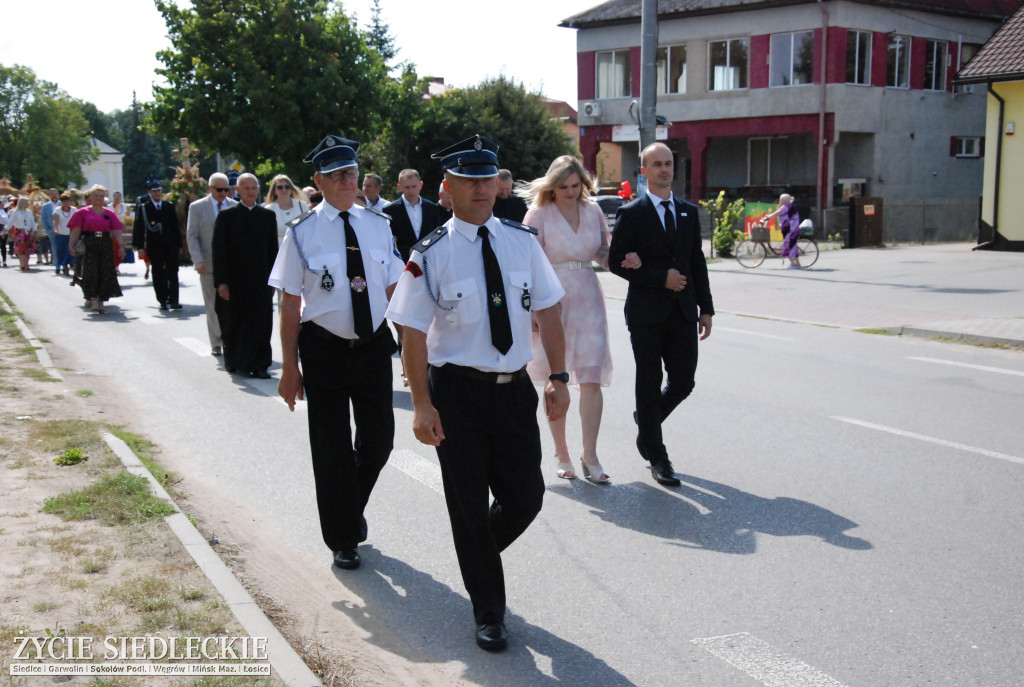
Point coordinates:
[(562, 377)]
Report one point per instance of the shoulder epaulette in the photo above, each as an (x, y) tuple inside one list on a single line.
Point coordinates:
[(517, 225), (429, 240), (295, 222), (378, 213)]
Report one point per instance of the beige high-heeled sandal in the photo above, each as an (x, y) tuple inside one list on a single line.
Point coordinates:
[(565, 471), (595, 473)]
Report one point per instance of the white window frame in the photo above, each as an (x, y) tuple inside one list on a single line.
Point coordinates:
[(727, 73), (665, 70), (903, 46), (616, 56), (968, 146), (861, 63), (780, 41), (936, 51)]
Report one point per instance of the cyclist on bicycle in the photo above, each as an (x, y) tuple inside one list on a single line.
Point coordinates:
[(789, 225)]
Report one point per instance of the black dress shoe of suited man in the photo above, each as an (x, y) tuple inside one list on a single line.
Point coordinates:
[(347, 559), (164, 306), (492, 636), (664, 474), (260, 374)]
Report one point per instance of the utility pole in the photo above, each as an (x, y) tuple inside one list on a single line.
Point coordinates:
[(648, 72)]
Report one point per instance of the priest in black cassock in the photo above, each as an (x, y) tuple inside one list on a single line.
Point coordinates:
[(244, 250)]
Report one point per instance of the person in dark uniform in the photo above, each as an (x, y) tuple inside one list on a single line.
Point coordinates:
[(155, 234), (338, 267), (244, 251), (470, 289), (668, 303), (507, 204)]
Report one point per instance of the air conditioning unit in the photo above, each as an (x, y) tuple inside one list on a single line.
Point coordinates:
[(592, 109)]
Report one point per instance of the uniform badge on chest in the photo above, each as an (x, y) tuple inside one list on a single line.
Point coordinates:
[(358, 284), (326, 281)]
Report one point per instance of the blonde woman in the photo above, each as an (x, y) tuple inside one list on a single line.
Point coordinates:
[(789, 225), (287, 202), (101, 229), (572, 230)]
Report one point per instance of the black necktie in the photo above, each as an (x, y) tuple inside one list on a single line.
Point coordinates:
[(670, 221), (361, 316), (497, 308)]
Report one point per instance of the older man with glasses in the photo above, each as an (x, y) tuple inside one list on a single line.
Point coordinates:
[(337, 267), (202, 215)]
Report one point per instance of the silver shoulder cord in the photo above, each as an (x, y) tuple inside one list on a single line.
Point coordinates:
[(298, 249), (426, 277)]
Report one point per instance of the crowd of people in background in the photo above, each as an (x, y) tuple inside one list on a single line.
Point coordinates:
[(345, 261)]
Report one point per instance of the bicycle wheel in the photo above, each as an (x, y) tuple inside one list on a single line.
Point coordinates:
[(750, 253), (808, 252)]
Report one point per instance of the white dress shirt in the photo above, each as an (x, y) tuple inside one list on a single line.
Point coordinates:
[(317, 246), (415, 213), (443, 292)]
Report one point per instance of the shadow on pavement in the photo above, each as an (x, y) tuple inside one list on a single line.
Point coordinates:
[(410, 614), (707, 515)]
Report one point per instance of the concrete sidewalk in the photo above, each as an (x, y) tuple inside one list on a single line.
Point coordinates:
[(944, 290)]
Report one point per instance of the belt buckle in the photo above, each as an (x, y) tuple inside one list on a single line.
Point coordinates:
[(504, 378), (575, 265)]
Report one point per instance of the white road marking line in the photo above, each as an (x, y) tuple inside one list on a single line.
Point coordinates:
[(419, 468), (194, 345), (931, 440), (749, 333), (765, 663), (983, 368)]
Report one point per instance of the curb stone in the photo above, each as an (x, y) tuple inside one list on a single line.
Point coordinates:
[(288, 665)]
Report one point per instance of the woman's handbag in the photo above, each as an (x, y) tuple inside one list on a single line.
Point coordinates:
[(80, 246)]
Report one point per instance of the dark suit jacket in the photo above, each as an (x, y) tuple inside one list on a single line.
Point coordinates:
[(512, 207), (639, 230), (401, 227), (154, 241), (244, 247)]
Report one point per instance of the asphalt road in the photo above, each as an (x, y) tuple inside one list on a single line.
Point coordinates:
[(849, 514)]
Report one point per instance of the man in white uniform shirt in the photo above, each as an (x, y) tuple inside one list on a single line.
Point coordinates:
[(465, 303), (337, 268), (202, 215)]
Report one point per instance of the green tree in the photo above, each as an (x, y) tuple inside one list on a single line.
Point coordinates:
[(145, 154), (379, 37), (265, 79), (499, 108), (42, 131)]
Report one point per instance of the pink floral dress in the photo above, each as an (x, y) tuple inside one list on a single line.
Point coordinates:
[(588, 358)]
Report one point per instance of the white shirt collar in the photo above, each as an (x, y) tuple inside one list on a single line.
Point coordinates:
[(658, 200)]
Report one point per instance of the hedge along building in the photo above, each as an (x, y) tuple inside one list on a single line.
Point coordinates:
[(999, 68), (820, 99)]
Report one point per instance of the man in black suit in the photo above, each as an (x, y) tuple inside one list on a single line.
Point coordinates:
[(668, 304), (411, 215), (244, 251), (506, 203), (155, 234)]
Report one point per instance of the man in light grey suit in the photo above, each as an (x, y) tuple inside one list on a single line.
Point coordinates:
[(202, 214)]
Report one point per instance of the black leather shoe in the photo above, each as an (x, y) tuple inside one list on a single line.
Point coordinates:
[(231, 370), (164, 306), (347, 559), (492, 636), (664, 474), (175, 306), (260, 374)]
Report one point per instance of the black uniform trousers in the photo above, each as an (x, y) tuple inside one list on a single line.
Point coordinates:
[(335, 375), (163, 259), (673, 343), (491, 442)]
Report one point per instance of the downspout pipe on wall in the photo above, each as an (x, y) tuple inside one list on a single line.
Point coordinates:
[(821, 200)]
